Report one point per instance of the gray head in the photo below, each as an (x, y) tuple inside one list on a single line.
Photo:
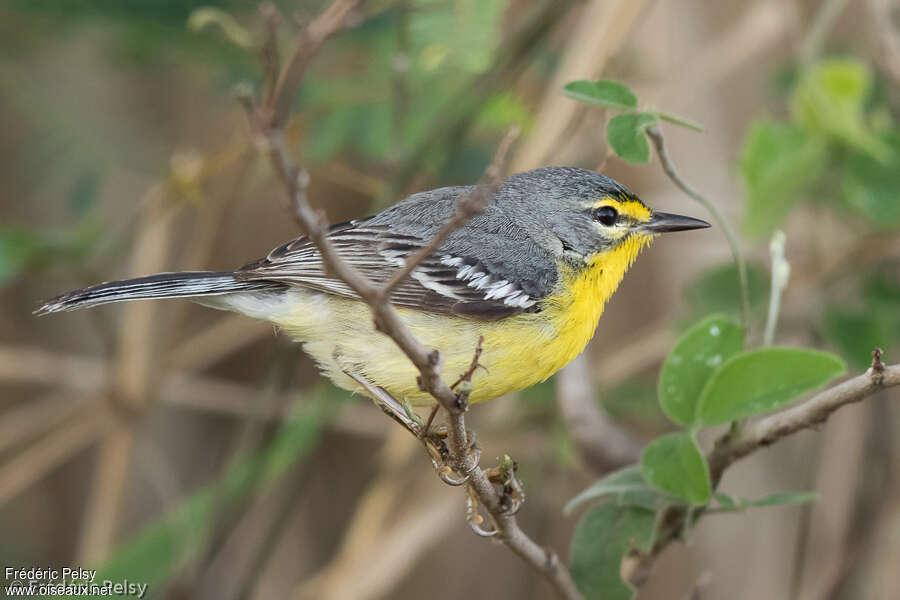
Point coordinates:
[(576, 213)]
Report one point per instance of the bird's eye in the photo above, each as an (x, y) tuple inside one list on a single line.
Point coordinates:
[(607, 215)]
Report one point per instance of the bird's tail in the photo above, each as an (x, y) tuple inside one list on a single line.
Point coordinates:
[(162, 285)]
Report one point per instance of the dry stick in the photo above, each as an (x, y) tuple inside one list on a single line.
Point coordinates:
[(656, 136), (306, 46), (130, 384), (84, 378), (268, 122), (34, 462), (762, 433), (825, 18)]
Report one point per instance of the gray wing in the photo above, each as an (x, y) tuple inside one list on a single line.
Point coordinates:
[(448, 281)]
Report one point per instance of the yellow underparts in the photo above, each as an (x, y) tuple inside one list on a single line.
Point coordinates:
[(518, 351)]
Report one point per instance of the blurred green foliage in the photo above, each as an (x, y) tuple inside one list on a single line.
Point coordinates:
[(840, 145), (872, 321)]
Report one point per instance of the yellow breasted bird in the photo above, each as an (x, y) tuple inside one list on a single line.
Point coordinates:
[(531, 274)]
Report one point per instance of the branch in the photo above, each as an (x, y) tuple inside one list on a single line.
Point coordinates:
[(735, 445), (656, 136), (824, 20), (268, 122), (306, 46), (806, 415), (466, 207)]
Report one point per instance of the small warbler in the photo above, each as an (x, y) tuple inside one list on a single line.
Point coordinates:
[(530, 274)]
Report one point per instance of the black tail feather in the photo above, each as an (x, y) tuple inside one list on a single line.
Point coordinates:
[(161, 285)]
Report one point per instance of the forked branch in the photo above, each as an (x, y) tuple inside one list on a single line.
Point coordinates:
[(268, 121)]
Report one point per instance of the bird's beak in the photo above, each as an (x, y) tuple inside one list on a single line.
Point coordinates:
[(662, 222)]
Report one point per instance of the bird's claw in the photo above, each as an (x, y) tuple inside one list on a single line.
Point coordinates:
[(474, 518)]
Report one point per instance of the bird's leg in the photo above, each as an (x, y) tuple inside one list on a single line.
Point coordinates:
[(433, 442), (388, 404)]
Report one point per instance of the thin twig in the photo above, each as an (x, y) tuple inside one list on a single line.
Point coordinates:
[(805, 415), (65, 442), (306, 46), (473, 366), (467, 207), (735, 445), (268, 50), (268, 122), (656, 137)]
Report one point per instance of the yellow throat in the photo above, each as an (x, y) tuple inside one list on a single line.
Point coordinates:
[(576, 309)]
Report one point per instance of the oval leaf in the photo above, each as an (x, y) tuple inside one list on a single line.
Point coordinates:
[(762, 380), (699, 352), (674, 463), (680, 121), (831, 96), (627, 138), (629, 488), (779, 164), (608, 94), (603, 536), (782, 498)]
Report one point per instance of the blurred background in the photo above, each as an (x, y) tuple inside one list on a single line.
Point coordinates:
[(201, 453)]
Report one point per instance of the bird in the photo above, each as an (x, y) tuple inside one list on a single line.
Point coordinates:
[(526, 280)]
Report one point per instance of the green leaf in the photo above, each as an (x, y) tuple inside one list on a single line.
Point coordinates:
[(728, 503), (675, 463), (608, 94), (872, 187), (627, 137), (782, 498), (697, 354), (602, 537), (830, 98), (629, 488), (762, 380), (779, 163)]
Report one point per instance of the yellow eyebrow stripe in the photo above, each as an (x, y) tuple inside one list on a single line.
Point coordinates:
[(631, 208)]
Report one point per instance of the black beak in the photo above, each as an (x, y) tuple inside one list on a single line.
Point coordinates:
[(662, 222)]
